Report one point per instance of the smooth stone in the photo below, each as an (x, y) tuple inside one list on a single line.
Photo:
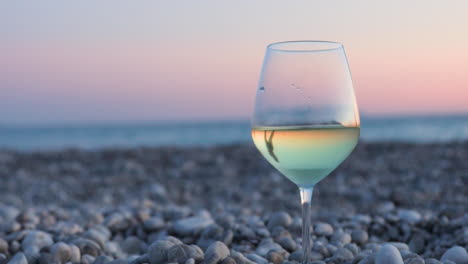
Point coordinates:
[(3, 259), (61, 251), (3, 246), (287, 243), (368, 260), (153, 224), (87, 259), (343, 254), (359, 236), (240, 258), (388, 254), (216, 252), (410, 216), (414, 260), (179, 253), (353, 248), (192, 225), (75, 253), (432, 261), (141, 259), (102, 260), (456, 254), (19, 258), (35, 240), (417, 243), (87, 247), (256, 258), (190, 261), (274, 257), (95, 236), (229, 260), (400, 245), (133, 246), (279, 219), (340, 238), (157, 252), (323, 229), (266, 246)]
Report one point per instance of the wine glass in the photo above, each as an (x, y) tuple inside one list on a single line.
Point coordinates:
[(306, 120)]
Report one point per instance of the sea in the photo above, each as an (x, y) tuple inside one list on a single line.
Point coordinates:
[(414, 129)]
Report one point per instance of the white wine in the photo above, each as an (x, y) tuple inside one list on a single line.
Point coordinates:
[(305, 154)]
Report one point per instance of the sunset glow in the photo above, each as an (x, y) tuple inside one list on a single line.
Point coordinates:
[(118, 61)]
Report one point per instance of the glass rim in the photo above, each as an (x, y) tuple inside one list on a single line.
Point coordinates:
[(316, 46)]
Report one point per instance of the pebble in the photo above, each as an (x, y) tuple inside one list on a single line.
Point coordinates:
[(388, 254), (256, 258), (410, 216), (229, 260), (35, 240), (323, 229), (192, 225), (153, 224), (400, 245), (61, 252), (266, 246), (456, 254), (19, 258), (287, 243), (414, 260), (240, 258), (157, 252), (274, 257), (342, 255), (3, 246), (216, 252), (359, 236), (133, 245), (340, 238), (279, 219)]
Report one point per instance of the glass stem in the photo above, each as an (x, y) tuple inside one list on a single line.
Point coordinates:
[(306, 199)]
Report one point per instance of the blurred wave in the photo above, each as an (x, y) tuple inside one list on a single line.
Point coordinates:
[(92, 136)]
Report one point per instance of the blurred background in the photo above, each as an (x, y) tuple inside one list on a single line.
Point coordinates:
[(119, 73)]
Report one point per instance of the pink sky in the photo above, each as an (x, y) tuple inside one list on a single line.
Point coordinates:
[(189, 62)]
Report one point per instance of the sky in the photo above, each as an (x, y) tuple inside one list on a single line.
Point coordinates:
[(112, 60)]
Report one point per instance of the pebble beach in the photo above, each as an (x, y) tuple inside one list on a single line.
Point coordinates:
[(388, 203)]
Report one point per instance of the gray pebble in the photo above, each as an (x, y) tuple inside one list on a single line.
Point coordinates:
[(432, 261), (192, 225), (256, 258), (266, 246), (342, 255), (229, 260), (153, 224), (157, 252), (287, 243), (340, 238), (279, 219), (87, 259), (417, 243), (61, 252), (133, 245), (323, 229), (274, 257), (456, 254), (179, 253), (190, 261), (359, 236), (400, 245), (19, 258), (216, 252), (102, 260), (75, 253), (296, 256), (414, 260), (368, 260), (87, 247), (95, 236), (240, 258), (353, 248), (3, 246), (35, 240), (388, 254), (410, 216), (141, 259)]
